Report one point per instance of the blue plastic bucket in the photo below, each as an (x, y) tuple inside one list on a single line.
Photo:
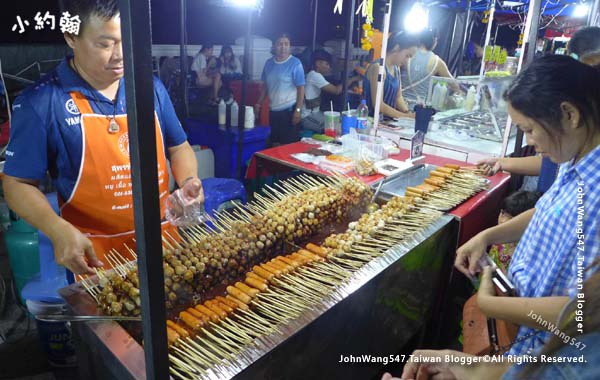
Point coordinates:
[(55, 337)]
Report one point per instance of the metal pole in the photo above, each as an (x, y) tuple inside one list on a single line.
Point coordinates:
[(384, 41), (314, 40), (183, 64), (496, 33), (242, 108), (527, 54), (464, 41), (139, 87), (448, 55), (594, 15), (488, 35), (346, 71), (531, 29)]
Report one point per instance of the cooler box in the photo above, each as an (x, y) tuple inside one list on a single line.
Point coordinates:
[(254, 140), (252, 94), (224, 144)]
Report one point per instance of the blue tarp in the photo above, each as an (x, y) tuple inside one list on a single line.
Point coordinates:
[(550, 7)]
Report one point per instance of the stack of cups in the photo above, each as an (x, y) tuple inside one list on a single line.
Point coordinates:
[(249, 118), (348, 121)]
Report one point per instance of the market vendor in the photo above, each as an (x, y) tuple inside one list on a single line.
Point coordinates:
[(400, 48), (72, 123), (556, 103)]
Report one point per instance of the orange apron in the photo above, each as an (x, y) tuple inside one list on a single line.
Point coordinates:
[(101, 204)]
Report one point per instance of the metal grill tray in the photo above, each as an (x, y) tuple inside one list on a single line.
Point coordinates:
[(397, 184)]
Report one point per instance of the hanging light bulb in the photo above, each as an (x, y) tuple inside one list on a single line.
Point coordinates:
[(581, 10), (243, 3), (417, 18)]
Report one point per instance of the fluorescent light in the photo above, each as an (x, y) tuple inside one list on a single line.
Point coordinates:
[(417, 18), (581, 10), (243, 3), (511, 4)]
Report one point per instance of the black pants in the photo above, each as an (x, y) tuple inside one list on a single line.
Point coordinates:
[(282, 129)]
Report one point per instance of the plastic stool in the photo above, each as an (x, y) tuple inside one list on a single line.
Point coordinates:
[(221, 190)]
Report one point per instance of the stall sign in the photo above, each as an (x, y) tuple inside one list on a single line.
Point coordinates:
[(416, 145)]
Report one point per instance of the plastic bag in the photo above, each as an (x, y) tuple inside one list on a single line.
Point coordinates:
[(181, 210), (368, 155)]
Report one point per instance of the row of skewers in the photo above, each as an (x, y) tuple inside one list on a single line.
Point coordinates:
[(277, 292), (198, 258), (207, 339), (448, 186)]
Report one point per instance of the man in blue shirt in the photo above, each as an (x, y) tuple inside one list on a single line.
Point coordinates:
[(72, 124)]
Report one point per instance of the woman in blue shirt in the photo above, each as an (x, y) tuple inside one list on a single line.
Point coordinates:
[(556, 103), (400, 48), (284, 84)]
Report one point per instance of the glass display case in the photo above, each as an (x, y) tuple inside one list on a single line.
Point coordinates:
[(471, 118)]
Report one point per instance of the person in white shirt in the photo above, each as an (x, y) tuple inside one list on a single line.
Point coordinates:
[(207, 75), (230, 64), (312, 117)]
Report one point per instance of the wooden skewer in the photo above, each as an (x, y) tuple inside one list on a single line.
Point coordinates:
[(216, 346), (184, 366), (326, 280), (188, 375), (234, 331), (166, 242), (190, 355), (299, 291), (288, 308), (192, 345), (255, 327), (225, 343)]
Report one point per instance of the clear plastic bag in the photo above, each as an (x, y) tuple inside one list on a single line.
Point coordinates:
[(367, 155), (181, 210)]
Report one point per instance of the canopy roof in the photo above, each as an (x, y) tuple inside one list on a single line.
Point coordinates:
[(549, 7)]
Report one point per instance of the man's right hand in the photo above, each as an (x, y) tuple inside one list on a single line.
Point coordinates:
[(468, 255), (73, 250)]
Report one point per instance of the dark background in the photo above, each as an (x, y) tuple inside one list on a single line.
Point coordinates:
[(208, 23)]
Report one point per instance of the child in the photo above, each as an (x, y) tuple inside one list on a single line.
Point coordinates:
[(511, 206)]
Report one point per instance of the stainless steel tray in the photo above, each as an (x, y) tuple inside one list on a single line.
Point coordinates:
[(396, 185)]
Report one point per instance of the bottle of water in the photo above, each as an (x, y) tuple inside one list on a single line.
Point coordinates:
[(362, 115)]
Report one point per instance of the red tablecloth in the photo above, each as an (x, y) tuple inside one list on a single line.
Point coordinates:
[(475, 214)]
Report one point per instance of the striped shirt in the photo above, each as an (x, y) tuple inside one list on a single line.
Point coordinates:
[(560, 241)]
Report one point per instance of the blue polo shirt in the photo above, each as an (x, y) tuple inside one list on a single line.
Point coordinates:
[(45, 131)]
